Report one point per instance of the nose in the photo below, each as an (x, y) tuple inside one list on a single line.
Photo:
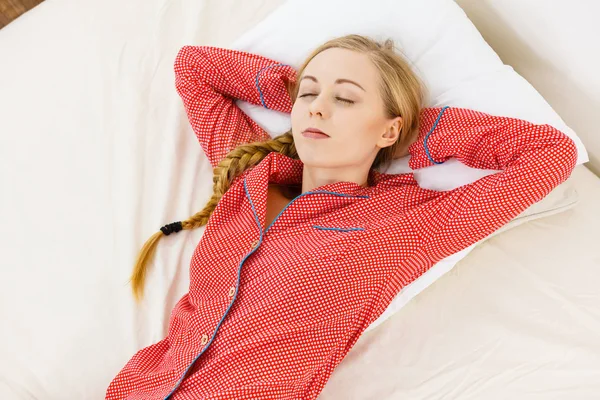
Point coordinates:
[(318, 106)]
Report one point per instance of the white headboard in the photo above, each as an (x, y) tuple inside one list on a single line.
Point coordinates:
[(552, 44)]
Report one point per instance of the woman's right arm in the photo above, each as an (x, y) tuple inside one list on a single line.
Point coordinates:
[(210, 79), (533, 160)]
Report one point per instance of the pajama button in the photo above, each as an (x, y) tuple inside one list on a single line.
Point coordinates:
[(254, 244), (204, 339), (232, 291)]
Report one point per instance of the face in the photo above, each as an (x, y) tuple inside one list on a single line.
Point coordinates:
[(352, 114)]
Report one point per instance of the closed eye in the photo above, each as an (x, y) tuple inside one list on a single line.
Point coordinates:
[(338, 98)]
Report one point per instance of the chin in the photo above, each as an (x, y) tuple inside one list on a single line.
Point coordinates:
[(314, 161)]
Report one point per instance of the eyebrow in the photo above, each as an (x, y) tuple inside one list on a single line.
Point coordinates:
[(341, 80)]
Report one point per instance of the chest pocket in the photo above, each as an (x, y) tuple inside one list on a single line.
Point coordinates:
[(327, 241)]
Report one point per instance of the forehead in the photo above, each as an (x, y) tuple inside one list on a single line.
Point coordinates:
[(335, 63)]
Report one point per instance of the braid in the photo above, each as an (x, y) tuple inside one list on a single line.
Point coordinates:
[(238, 161)]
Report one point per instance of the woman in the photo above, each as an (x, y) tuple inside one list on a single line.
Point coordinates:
[(307, 244)]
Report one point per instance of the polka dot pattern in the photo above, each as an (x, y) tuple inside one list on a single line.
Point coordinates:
[(210, 79), (272, 310)]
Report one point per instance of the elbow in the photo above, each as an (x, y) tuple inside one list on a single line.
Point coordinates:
[(181, 60), (570, 154), (186, 58), (185, 67), (564, 152)]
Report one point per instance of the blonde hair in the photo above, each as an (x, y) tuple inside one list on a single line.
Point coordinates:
[(402, 93)]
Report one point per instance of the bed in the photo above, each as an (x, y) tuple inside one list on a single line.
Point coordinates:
[(97, 154)]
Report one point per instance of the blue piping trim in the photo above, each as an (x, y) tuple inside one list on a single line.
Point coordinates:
[(262, 98), (253, 210), (338, 229), (429, 133)]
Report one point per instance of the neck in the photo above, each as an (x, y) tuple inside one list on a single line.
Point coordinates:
[(309, 182)]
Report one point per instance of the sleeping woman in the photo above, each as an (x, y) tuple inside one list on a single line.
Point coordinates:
[(306, 242)]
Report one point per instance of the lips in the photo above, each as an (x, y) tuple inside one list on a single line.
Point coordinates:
[(315, 133)]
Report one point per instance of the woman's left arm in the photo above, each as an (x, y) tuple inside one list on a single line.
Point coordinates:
[(534, 159), (210, 79)]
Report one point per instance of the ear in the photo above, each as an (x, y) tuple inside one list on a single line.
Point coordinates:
[(397, 126), (392, 134)]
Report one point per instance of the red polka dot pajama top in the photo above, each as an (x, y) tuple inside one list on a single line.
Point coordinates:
[(271, 310)]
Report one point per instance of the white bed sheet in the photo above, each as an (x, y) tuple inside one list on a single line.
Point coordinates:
[(96, 154)]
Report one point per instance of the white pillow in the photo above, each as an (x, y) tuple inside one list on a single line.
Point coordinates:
[(458, 67)]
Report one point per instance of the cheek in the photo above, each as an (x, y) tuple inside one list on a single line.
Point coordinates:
[(295, 114), (297, 121), (362, 122)]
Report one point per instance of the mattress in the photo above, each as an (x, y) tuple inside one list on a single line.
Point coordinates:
[(96, 154)]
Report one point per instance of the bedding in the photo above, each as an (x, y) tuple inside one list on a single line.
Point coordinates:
[(96, 154)]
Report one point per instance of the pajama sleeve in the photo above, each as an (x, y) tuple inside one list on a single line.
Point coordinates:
[(533, 160), (210, 79)]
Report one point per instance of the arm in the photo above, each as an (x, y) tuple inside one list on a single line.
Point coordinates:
[(209, 80), (534, 159)]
